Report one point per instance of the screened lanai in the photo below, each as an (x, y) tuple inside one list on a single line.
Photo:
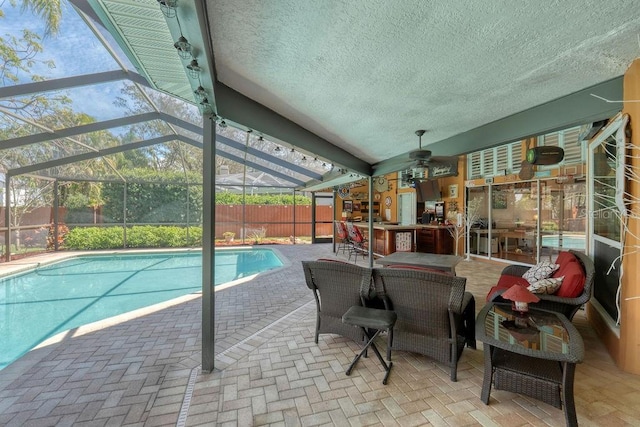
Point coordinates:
[(81, 145), (316, 95)]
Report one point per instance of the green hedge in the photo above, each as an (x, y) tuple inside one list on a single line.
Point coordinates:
[(227, 198), (145, 236)]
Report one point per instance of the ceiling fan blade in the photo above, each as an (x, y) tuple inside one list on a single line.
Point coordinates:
[(394, 164), (420, 155)]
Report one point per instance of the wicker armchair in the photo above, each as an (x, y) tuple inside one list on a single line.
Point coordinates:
[(336, 287), (566, 306), (429, 308)]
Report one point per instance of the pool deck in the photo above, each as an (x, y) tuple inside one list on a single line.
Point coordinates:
[(142, 368)]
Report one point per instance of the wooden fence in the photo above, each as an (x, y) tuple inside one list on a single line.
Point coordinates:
[(279, 220), (276, 220)]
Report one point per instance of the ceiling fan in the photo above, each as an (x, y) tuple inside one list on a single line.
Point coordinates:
[(420, 159)]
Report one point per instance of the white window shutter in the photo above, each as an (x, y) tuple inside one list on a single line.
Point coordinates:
[(515, 159), (502, 159), (550, 139), (474, 165), (573, 149), (488, 163)]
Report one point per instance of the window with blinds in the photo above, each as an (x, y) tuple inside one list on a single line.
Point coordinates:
[(567, 139), (495, 161)]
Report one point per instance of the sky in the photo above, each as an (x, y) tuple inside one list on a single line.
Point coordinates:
[(75, 51)]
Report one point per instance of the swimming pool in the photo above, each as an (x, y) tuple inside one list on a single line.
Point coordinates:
[(50, 299), (569, 241)]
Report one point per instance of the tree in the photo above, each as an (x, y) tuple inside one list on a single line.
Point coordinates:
[(154, 197), (18, 54), (171, 156), (468, 219), (50, 11)]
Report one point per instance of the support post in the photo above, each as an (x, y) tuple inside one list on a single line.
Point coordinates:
[(208, 242), (7, 218), (56, 219)]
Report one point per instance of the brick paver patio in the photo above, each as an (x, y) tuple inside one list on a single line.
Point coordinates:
[(142, 368)]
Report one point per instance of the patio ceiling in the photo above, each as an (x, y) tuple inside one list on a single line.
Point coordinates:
[(352, 80), (349, 83)]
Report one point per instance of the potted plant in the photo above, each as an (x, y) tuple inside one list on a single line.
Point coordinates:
[(228, 236)]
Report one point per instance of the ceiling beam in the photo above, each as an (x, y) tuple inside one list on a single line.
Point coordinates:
[(259, 167), (240, 109), (181, 123), (242, 161), (77, 130), (70, 82), (572, 110), (141, 144), (90, 155), (334, 180), (267, 157)]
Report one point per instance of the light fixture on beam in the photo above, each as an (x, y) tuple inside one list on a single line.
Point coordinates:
[(183, 47), (168, 7), (279, 152), (194, 69), (200, 93), (206, 106)]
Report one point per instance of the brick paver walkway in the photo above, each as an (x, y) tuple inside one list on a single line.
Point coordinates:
[(142, 368)]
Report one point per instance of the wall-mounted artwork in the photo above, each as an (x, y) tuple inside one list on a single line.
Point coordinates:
[(499, 200), (453, 191), (348, 206)]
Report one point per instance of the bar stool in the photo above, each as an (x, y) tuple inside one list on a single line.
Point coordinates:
[(372, 319)]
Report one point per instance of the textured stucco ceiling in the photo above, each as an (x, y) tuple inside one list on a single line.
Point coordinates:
[(365, 74)]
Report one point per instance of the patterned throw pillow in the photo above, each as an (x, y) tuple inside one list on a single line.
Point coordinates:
[(546, 286), (540, 271)]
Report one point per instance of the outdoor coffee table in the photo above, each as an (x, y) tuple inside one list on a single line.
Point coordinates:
[(533, 354), (419, 259)]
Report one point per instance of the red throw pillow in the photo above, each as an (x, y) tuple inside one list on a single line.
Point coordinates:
[(573, 283), (564, 257), (506, 282)]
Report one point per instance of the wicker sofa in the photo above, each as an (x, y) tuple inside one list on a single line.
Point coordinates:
[(577, 288), (433, 309)]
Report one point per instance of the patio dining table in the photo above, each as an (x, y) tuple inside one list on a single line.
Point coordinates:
[(418, 259)]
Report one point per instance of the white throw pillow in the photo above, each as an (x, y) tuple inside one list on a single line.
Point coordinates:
[(540, 271), (546, 286)]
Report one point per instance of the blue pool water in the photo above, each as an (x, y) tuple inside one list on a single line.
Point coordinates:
[(50, 299), (569, 241)]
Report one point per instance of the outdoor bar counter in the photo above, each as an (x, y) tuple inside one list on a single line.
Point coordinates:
[(390, 238)]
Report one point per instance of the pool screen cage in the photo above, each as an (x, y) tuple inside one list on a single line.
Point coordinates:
[(88, 186), (102, 180), (50, 214), (103, 155)]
